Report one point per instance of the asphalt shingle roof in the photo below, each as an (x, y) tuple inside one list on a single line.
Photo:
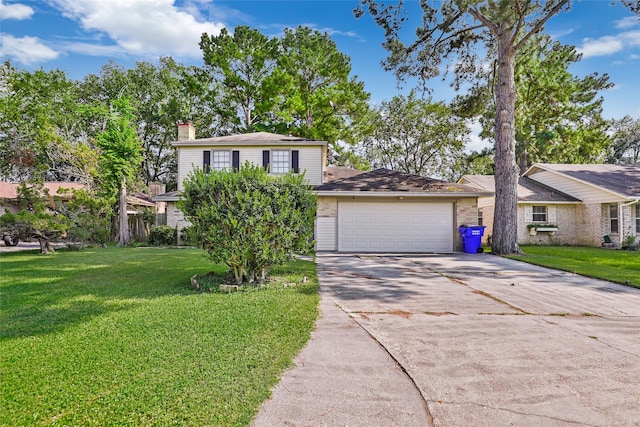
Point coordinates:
[(385, 180), (255, 138), (622, 179), (334, 173), (528, 189)]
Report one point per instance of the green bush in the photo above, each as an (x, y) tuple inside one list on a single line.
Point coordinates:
[(188, 236), (162, 235), (248, 219)]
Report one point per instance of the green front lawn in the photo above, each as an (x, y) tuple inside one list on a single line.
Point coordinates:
[(117, 337), (613, 265)]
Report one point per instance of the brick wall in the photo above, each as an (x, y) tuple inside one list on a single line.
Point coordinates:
[(327, 207), (466, 214), (568, 228)]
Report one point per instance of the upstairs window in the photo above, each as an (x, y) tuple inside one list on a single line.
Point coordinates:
[(539, 214), (221, 160), (613, 217), (280, 161)]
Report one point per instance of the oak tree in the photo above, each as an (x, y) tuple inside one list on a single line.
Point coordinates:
[(625, 141), (416, 136)]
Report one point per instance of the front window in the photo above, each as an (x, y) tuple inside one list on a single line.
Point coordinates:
[(539, 214), (613, 217), (221, 160), (280, 162), (637, 218)]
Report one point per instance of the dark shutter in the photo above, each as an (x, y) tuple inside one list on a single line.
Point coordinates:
[(206, 161), (235, 160), (295, 155), (265, 159)]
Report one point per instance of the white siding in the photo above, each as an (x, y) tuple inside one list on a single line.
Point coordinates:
[(310, 159), (252, 155), (326, 234), (188, 157), (586, 193), (311, 163)]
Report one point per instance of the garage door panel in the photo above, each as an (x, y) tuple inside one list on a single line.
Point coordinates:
[(395, 227)]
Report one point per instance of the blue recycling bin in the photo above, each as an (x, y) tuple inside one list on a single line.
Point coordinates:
[(472, 238)]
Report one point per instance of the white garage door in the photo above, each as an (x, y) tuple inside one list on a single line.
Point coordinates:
[(395, 227)]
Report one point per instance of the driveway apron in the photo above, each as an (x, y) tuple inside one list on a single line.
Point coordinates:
[(490, 341)]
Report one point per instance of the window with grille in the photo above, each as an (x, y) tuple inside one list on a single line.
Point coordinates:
[(613, 217), (280, 161), (539, 214), (479, 216), (221, 160)]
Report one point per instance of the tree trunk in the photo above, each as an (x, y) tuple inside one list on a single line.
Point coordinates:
[(125, 234), (45, 246), (505, 222)]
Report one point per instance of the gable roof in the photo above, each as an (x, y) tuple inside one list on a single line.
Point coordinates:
[(620, 179), (528, 189), (383, 182), (255, 138)]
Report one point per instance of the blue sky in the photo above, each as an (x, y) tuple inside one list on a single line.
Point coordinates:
[(79, 36)]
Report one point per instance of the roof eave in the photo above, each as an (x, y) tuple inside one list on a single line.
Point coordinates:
[(166, 198), (206, 143), (399, 194), (548, 202), (589, 184)]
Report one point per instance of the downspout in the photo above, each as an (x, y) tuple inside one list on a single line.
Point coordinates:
[(621, 215)]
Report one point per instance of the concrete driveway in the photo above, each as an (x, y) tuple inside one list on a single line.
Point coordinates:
[(482, 340)]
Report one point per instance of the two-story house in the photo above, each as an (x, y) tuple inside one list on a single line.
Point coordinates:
[(279, 153), (376, 211)]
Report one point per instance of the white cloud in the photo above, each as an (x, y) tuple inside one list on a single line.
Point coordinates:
[(631, 37), (476, 142), (606, 45), (149, 27), (15, 11), (91, 49), (628, 22), (26, 50), (609, 45)]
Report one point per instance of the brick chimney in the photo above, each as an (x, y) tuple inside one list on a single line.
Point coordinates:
[(186, 131)]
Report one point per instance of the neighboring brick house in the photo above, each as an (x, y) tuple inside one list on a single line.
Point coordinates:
[(585, 202), (378, 211), (9, 193)]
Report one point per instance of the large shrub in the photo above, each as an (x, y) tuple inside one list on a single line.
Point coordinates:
[(162, 235), (248, 219)]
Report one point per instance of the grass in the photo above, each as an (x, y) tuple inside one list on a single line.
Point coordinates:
[(117, 337), (613, 265)]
